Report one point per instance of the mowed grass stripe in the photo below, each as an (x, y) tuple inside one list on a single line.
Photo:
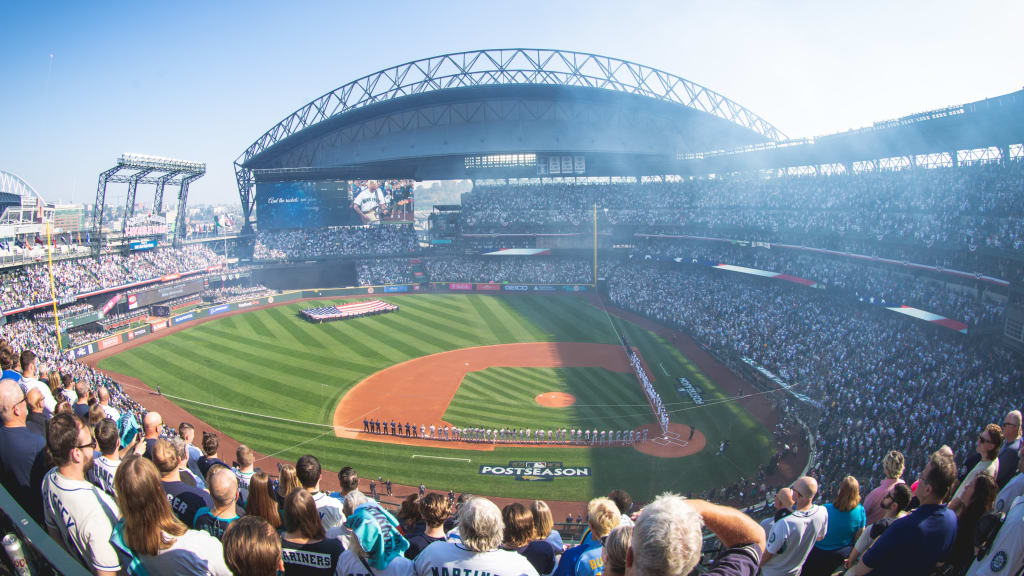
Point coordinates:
[(394, 346), (464, 337), (294, 329), (286, 365), (453, 315), (282, 350), (276, 389), (500, 333), (433, 340), (507, 318), (470, 321), (255, 323), (195, 384), (352, 343)]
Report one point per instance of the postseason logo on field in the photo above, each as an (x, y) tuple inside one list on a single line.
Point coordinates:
[(533, 471)]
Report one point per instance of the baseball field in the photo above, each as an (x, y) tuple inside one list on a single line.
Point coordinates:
[(281, 384)]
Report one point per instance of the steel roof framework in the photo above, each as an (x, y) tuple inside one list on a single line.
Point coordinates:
[(513, 66)]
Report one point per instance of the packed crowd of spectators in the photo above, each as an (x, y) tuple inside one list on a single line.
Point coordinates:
[(227, 294), (927, 213), (30, 284), (973, 303), (877, 375), (525, 269), (330, 242), (384, 271)]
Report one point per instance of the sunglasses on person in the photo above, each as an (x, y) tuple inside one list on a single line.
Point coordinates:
[(981, 438), (92, 444)]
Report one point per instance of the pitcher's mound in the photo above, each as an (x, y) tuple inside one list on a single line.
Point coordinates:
[(677, 443), (555, 399)]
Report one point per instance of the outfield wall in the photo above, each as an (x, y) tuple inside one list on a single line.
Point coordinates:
[(114, 340)]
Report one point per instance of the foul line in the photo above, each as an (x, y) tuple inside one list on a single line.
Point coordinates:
[(440, 457)]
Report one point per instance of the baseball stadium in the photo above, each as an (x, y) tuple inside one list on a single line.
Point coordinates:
[(642, 287)]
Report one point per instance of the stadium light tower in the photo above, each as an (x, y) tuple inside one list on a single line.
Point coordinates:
[(147, 169)]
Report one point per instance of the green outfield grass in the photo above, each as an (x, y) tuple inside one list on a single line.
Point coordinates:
[(272, 380)]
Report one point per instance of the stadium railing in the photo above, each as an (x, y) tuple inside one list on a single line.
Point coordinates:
[(45, 557)]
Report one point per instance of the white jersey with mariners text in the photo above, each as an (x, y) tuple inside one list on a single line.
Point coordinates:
[(84, 515)]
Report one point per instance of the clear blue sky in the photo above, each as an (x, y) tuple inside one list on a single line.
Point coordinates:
[(202, 80)]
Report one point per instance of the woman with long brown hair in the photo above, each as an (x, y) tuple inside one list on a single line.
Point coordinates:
[(846, 520), (304, 538), (287, 480), (520, 536), (150, 536), (977, 498), (261, 500)]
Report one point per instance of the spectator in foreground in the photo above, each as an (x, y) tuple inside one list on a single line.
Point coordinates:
[(224, 491), (1006, 556), (105, 465), (306, 548), (989, 441), (23, 460), (210, 457), (519, 537), (543, 526), (149, 536), (915, 543), (792, 538), (245, 458), (624, 502), (1013, 488), (152, 424), (434, 509), (186, 474), (602, 516), (613, 557), (308, 472), (783, 504), (895, 504), (892, 465), (252, 548), (977, 499), (667, 539), (186, 501), (78, 515), (261, 500), (1009, 454), (845, 524), (37, 416), (480, 532), (375, 545)]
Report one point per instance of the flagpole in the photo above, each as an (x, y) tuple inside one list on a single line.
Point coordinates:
[(53, 286)]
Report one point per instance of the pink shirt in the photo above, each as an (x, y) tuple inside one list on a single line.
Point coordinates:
[(873, 502)]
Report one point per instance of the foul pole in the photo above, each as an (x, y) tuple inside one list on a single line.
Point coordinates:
[(595, 246), (53, 287)]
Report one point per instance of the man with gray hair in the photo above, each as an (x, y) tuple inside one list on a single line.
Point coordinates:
[(1011, 446), (481, 530), (23, 460), (667, 541)]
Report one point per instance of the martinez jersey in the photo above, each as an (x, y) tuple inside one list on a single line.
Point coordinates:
[(102, 473), (84, 516), (442, 558), (318, 559)]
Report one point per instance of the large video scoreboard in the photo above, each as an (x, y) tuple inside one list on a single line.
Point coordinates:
[(320, 203)]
